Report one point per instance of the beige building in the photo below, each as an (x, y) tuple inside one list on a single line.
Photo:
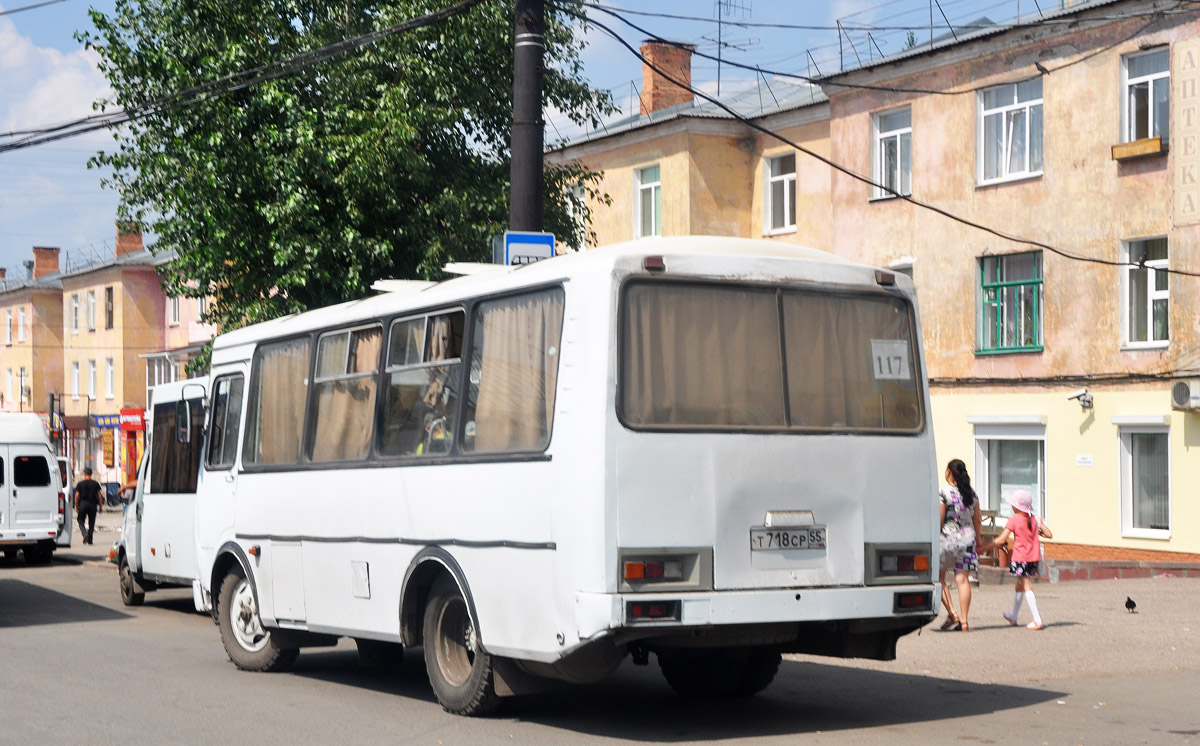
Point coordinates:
[(1066, 362), (31, 356), (1082, 139), (686, 168), (97, 338)]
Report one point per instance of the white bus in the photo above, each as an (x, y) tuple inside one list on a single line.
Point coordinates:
[(713, 450)]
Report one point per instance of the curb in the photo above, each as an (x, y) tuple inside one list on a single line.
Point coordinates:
[(1062, 570)]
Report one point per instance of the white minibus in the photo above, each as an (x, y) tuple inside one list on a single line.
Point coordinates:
[(711, 450), (33, 506), (158, 536)]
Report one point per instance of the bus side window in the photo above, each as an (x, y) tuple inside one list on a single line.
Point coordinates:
[(174, 466), (278, 392), (345, 385), (421, 405), (226, 418), (514, 372)]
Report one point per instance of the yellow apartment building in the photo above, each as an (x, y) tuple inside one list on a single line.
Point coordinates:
[(682, 167), (31, 355), (1067, 363)]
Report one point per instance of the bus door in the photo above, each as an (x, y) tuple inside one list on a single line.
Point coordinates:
[(218, 482), (167, 513)]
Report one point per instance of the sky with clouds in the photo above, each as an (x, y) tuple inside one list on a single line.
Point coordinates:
[(49, 197)]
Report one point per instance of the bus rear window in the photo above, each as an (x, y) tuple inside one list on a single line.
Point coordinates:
[(728, 357)]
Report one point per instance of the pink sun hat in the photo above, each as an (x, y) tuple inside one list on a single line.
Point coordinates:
[(1021, 500)]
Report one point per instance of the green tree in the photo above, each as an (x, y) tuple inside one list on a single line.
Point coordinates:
[(301, 191)]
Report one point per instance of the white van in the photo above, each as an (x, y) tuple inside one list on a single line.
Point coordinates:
[(157, 544), (33, 506)]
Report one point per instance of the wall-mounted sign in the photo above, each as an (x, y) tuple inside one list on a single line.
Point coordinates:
[(1083, 459), (133, 420)]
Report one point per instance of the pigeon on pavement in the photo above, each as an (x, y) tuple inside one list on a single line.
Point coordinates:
[(1129, 604)]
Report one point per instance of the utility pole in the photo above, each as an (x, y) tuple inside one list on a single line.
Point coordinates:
[(525, 176)]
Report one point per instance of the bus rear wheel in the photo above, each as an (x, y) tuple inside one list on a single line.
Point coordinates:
[(130, 595), (39, 554), (248, 644), (460, 672)]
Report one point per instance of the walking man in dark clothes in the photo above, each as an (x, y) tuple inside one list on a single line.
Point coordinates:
[(87, 502)]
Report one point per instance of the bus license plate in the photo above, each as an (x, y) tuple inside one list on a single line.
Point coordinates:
[(782, 539)]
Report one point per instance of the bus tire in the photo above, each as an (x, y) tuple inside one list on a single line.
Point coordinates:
[(460, 672), (130, 595), (39, 554), (704, 673), (10, 553), (761, 667), (247, 643)]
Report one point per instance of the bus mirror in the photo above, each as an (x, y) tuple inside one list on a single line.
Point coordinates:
[(183, 421)]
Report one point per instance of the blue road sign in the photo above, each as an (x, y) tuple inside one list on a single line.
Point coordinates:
[(525, 248)]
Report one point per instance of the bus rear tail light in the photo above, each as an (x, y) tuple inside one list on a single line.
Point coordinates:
[(652, 611), (912, 601), (671, 569), (898, 563), (62, 508)]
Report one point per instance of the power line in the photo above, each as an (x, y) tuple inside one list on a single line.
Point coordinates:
[(228, 83), (30, 7), (859, 177)]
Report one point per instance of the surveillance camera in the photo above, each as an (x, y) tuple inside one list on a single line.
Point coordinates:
[(1078, 394)]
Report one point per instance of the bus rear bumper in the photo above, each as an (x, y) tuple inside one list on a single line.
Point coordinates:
[(783, 616)]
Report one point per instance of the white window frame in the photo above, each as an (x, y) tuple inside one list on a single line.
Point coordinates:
[(75, 380), (997, 428), (22, 377), (789, 195), (1127, 123), (173, 311), (655, 188), (8, 326), (1126, 461), (879, 139), (91, 310), (75, 313), (1153, 267), (110, 386), (8, 385), (21, 324), (91, 380), (1004, 111)]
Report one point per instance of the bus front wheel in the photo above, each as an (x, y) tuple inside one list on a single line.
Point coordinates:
[(130, 595), (460, 672), (248, 644)]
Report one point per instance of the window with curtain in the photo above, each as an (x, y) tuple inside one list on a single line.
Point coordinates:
[(513, 373), (850, 359), (278, 392), (892, 154), (1147, 109), (1147, 293), (781, 194), (346, 382), (648, 202), (1011, 131), (1146, 482), (1010, 314), (423, 379)]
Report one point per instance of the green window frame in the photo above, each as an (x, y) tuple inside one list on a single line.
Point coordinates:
[(1010, 303)]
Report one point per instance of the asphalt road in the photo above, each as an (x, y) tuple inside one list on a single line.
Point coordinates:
[(79, 668)]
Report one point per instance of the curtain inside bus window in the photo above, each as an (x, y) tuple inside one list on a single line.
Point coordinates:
[(850, 362), (701, 356), (421, 404), (278, 390), (346, 385), (514, 373)]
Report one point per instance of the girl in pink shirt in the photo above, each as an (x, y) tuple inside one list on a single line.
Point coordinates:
[(1025, 530)]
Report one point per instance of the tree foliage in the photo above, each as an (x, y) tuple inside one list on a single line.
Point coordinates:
[(301, 191)]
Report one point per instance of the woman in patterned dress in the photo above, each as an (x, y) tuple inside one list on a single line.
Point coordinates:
[(961, 527)]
